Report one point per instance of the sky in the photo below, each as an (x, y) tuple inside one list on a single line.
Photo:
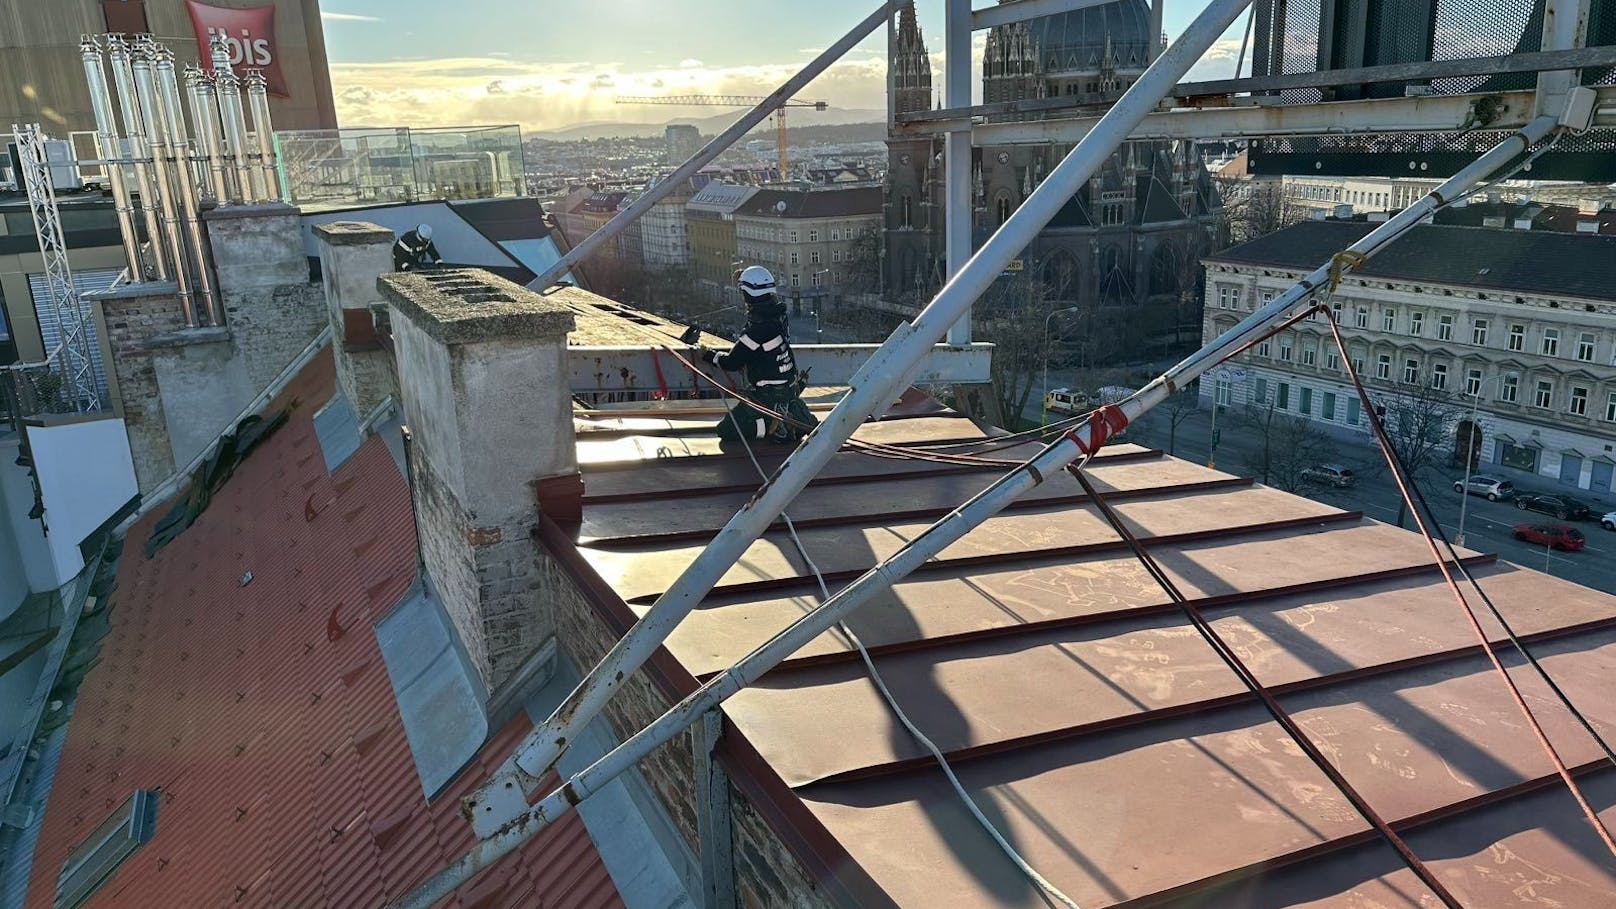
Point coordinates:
[(549, 64)]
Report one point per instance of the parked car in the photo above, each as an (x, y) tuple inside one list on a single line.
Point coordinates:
[(1491, 487), (1330, 474), (1562, 507), (1067, 400), (1563, 537), (1609, 520)]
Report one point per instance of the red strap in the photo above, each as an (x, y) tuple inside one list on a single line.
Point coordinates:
[(1105, 422), (661, 394)]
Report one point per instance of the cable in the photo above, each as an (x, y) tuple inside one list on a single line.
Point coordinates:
[(1010, 852), (1399, 475), (1234, 663)]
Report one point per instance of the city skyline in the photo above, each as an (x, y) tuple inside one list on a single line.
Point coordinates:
[(413, 63)]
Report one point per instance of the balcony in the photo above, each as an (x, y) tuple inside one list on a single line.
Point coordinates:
[(346, 168)]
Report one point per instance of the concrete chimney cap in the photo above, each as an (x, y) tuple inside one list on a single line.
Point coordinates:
[(468, 305), (353, 233)]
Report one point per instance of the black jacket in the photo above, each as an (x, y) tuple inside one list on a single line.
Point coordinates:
[(412, 252), (762, 353)]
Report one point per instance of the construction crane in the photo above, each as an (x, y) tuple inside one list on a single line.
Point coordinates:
[(734, 101)]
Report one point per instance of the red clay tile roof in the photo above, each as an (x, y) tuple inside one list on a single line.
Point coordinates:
[(1092, 723), (265, 713)]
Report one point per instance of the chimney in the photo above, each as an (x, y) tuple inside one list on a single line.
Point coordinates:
[(482, 375), (353, 254)]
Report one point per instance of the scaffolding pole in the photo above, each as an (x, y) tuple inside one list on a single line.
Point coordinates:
[(870, 391), (928, 544)]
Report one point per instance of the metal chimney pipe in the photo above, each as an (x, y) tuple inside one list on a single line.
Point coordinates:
[(106, 136), (235, 125), (184, 176), (157, 136), (258, 98), (208, 171), (118, 57)]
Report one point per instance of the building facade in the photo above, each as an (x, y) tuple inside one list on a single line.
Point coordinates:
[(1528, 339), (1132, 235), (809, 239), (664, 239), (710, 219), (680, 141), (42, 76)]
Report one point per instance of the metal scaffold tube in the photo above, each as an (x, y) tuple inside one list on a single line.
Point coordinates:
[(712, 149), (990, 501), (107, 145), (121, 62), (184, 174), (173, 241), (871, 390)]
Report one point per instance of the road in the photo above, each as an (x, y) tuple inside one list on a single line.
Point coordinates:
[(1487, 524)]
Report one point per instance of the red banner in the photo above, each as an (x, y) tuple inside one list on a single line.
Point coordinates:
[(250, 35)]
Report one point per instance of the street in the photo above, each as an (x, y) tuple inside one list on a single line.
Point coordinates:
[(1487, 524)]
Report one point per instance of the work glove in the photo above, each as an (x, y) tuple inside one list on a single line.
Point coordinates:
[(709, 356)]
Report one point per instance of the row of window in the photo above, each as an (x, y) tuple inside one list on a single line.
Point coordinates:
[(1480, 330), (1303, 398), (772, 256), (787, 235)]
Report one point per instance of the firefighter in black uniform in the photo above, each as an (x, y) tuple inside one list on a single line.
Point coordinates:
[(763, 356), (415, 250)]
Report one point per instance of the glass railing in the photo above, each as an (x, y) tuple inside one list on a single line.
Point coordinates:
[(342, 168)]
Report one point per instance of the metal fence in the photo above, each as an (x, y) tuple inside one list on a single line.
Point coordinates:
[(323, 169)]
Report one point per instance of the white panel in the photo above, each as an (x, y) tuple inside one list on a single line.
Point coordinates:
[(50, 328), (86, 473)]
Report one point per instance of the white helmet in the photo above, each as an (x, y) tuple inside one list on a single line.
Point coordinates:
[(424, 231), (756, 281)]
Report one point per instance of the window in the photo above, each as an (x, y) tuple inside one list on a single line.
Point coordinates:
[(1411, 371), (1260, 390), (1551, 343), (1305, 405), (796, 281), (813, 236), (1383, 366), (793, 236), (1520, 457), (1310, 355), (1478, 332), (1509, 390), (1284, 401), (1416, 323), (1439, 376), (1354, 410), (1332, 360), (1225, 393), (1544, 396), (835, 234), (1327, 405), (1472, 382), (1267, 297), (1585, 347), (1335, 307), (1610, 408), (794, 259), (1228, 297), (1285, 349), (818, 279), (813, 257), (1517, 337), (1578, 404), (1361, 317), (1388, 319), (1444, 328), (1266, 349)]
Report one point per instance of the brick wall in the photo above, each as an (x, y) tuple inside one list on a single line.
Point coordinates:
[(767, 873), (441, 523), (271, 325), (130, 320)]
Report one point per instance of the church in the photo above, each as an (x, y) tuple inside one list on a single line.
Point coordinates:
[(1137, 231)]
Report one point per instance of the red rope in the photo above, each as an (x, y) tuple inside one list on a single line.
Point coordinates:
[(1403, 483), (661, 394)]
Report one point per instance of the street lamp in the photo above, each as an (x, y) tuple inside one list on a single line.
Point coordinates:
[(1043, 408), (1470, 445)]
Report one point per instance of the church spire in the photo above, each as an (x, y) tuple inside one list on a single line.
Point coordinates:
[(911, 66)]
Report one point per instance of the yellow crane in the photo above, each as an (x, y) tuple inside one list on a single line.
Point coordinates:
[(734, 101)]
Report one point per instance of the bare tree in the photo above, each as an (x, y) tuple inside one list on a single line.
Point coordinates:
[(1285, 445), (1256, 208), (1177, 409), (1011, 317), (1419, 422)]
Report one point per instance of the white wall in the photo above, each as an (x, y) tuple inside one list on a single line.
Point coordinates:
[(87, 474), (13, 577), (457, 241), (17, 497)]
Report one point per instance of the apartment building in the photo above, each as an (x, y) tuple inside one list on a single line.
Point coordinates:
[(710, 219), (1520, 323), (807, 238)]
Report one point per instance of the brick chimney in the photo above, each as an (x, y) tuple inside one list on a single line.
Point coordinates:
[(483, 381), (353, 254)]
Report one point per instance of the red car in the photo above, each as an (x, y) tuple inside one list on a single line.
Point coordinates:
[(1555, 536)]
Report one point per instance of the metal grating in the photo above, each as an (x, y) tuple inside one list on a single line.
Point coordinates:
[(1465, 28)]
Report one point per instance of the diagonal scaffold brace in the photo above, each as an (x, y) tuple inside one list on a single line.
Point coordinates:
[(871, 390), (1067, 449)]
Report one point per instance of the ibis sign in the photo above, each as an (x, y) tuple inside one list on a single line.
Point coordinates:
[(249, 34)]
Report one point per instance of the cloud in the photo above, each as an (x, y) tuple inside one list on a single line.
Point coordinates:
[(329, 16), (690, 63)]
